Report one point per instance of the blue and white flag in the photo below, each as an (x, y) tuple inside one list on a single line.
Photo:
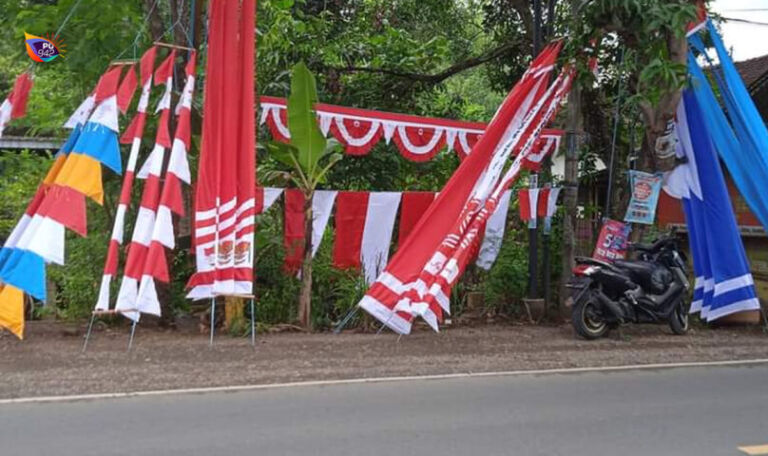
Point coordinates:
[(724, 284)]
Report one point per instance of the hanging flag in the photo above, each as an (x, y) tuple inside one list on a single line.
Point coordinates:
[(225, 191), (413, 206), (293, 230), (351, 210), (15, 105), (724, 283), (400, 284), (132, 136), (494, 233), (377, 233), (171, 201), (151, 172), (266, 197), (322, 205)]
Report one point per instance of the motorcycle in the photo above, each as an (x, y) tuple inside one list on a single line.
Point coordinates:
[(649, 289)]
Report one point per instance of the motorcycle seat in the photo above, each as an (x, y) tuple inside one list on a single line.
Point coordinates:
[(652, 277)]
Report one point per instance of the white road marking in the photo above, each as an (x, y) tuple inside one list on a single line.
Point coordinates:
[(754, 450), (354, 381)]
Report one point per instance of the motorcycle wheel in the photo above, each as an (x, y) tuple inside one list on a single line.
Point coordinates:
[(678, 319), (587, 320)]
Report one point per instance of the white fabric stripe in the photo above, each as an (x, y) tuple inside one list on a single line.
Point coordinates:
[(414, 149), (146, 299), (377, 233), (229, 221), (734, 284), (494, 233), (6, 109), (357, 142), (699, 283), (554, 192), (211, 213), (385, 315), (81, 114), (162, 231), (103, 302), (126, 298), (142, 231), (178, 164), (165, 100), (185, 101), (47, 240), (153, 165), (322, 205), (144, 98), (270, 196), (119, 226), (740, 306), (133, 157), (18, 231), (106, 114)]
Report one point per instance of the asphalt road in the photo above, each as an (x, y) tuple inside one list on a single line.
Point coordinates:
[(691, 411)]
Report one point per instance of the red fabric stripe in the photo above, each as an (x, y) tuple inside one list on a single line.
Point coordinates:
[(163, 137), (134, 265), (19, 95), (108, 84), (113, 257), (127, 89), (171, 197), (357, 129), (414, 205), (165, 70), (524, 200), (183, 128), (125, 192), (294, 229), (351, 209), (67, 206), (191, 63), (542, 202), (151, 194), (135, 128), (419, 137), (147, 64), (37, 200), (156, 265), (207, 278)]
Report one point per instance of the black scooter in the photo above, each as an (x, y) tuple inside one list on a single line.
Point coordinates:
[(650, 289)]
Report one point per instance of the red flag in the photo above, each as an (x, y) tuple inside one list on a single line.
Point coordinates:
[(543, 202), (351, 209), (414, 205), (293, 230), (20, 95), (225, 191), (524, 201)]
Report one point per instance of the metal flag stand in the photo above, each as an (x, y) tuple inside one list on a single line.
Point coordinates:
[(97, 313), (251, 298)]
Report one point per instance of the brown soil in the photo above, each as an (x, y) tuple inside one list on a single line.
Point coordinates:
[(49, 361)]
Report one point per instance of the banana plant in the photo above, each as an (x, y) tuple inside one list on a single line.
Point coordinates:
[(305, 160)]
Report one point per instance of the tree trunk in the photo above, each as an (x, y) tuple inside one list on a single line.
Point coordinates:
[(570, 189), (234, 312), (305, 298)]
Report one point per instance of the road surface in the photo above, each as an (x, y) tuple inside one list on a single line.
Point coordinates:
[(687, 411)]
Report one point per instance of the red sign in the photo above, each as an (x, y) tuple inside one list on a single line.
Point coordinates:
[(612, 243)]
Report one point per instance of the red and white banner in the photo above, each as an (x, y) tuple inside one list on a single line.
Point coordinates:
[(494, 233), (417, 138), (226, 183), (15, 104), (171, 200), (151, 171), (418, 280), (132, 136), (413, 207), (351, 212), (547, 204)]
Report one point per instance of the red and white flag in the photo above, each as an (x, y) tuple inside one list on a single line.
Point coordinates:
[(15, 105), (132, 136), (171, 202), (151, 172), (401, 290), (226, 184)]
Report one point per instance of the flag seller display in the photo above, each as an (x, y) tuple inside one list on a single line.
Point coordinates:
[(151, 172), (613, 241), (59, 203), (15, 104), (724, 284), (226, 183), (425, 266), (132, 135), (645, 196)]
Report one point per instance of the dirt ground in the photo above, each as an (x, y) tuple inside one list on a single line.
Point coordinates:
[(49, 361)]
